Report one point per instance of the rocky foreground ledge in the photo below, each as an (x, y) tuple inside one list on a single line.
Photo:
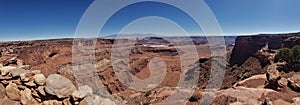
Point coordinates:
[(21, 86)]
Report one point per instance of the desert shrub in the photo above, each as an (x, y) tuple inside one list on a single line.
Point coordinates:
[(148, 93), (290, 55)]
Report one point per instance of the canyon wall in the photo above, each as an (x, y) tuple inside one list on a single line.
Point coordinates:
[(247, 46)]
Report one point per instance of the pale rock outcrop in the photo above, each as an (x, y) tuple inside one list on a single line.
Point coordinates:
[(13, 92), (39, 79), (272, 73), (259, 81), (6, 69), (16, 72), (247, 96), (26, 96), (28, 76), (273, 76)]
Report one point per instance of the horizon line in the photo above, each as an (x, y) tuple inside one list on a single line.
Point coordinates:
[(200, 35)]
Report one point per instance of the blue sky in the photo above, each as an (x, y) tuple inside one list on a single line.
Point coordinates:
[(42, 19)]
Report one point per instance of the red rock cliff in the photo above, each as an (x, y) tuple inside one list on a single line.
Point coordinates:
[(247, 46)]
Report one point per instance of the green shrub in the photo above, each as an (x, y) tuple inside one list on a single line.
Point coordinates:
[(148, 93), (290, 55)]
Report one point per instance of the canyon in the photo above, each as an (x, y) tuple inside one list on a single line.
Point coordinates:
[(251, 75)]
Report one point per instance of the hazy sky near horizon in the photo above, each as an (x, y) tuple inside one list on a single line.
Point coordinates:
[(42, 19)]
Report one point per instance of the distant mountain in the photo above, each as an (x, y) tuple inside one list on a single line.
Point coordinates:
[(130, 36)]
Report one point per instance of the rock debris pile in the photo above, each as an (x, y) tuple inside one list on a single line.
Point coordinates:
[(19, 86)]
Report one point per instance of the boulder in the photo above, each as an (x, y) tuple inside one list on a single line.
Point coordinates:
[(6, 69), (17, 71), (26, 96), (39, 79), (59, 86), (13, 92)]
